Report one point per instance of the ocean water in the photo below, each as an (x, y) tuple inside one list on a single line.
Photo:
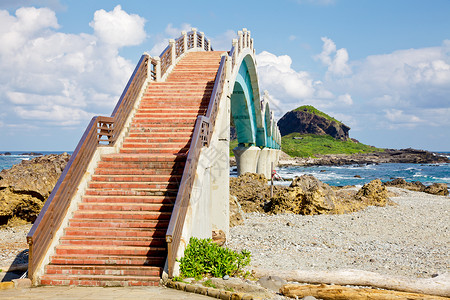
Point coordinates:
[(345, 175), (332, 175), (7, 161)]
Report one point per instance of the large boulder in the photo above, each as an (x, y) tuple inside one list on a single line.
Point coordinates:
[(306, 196), (251, 190), (437, 189), (373, 193), (26, 186)]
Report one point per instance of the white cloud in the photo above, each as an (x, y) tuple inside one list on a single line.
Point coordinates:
[(53, 76), (277, 76), (223, 41), (337, 65), (118, 27), (345, 99), (162, 40)]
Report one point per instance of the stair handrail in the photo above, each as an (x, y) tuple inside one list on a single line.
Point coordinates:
[(101, 131), (204, 127)]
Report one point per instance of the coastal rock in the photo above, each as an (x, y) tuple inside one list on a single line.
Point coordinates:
[(402, 183), (236, 212), (251, 190), (437, 189), (26, 186), (373, 193), (387, 156), (306, 196)]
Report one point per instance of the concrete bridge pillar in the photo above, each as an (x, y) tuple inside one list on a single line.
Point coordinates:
[(264, 161), (246, 158)]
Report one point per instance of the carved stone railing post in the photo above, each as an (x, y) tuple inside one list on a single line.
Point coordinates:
[(158, 68), (185, 43), (203, 40), (173, 52), (240, 41), (245, 35), (195, 37)]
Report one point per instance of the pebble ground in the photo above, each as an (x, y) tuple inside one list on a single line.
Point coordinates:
[(411, 239)]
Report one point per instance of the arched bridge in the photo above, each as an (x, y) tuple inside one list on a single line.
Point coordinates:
[(156, 172)]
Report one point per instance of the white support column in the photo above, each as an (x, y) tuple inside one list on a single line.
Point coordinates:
[(263, 166), (246, 159), (209, 45)]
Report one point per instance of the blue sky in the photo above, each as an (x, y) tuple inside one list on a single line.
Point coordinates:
[(382, 67)]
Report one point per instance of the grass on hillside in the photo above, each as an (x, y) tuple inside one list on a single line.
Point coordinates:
[(315, 111), (312, 145)]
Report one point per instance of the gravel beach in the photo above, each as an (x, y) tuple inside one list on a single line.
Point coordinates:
[(411, 239)]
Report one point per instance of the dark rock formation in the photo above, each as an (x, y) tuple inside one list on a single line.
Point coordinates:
[(305, 122), (434, 189), (402, 183), (437, 189), (306, 195), (388, 156), (26, 186)]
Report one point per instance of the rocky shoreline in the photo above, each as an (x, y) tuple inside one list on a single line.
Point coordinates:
[(388, 156)]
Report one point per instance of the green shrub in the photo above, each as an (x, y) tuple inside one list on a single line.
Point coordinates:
[(202, 257)]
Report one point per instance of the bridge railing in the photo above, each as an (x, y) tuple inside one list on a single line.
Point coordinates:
[(243, 41), (192, 40), (204, 128), (101, 131)]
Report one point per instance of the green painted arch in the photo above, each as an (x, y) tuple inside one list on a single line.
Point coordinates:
[(251, 117)]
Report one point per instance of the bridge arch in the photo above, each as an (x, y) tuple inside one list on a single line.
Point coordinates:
[(250, 112)]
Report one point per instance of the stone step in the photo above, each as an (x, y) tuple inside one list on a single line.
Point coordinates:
[(132, 192), (161, 129), (129, 199), (186, 124), (125, 207), (99, 280), (140, 167), (160, 145), (136, 178), (155, 150), (136, 169), (126, 215), (114, 232), (114, 223), (142, 158), (131, 185), (111, 250), (151, 140), (104, 270), (84, 259), (113, 241)]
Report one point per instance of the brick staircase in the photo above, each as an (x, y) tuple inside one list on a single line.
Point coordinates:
[(116, 237)]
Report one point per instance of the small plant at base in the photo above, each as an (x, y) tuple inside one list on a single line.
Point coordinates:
[(203, 257), (208, 283)]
